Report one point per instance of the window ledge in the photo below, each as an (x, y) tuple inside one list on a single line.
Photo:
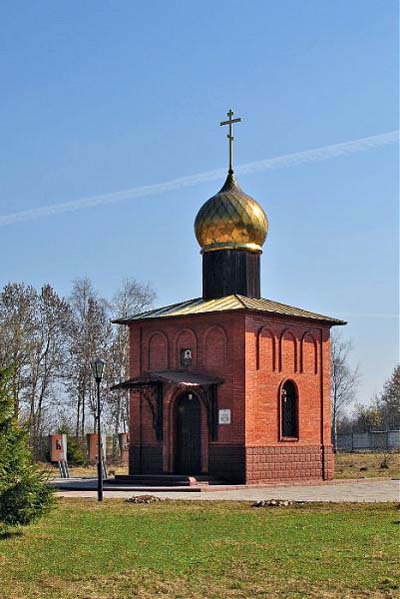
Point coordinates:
[(292, 439)]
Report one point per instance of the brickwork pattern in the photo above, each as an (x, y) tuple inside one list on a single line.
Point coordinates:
[(217, 341), (254, 354), (280, 463), (328, 463)]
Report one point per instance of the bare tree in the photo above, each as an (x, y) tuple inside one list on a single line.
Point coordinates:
[(389, 400), (132, 297), (366, 418), (17, 326), (32, 339), (51, 343), (382, 412), (89, 335), (344, 379), (47, 354)]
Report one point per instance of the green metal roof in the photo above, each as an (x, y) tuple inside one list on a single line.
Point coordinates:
[(228, 303)]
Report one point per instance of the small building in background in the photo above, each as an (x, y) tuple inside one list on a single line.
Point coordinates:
[(92, 447), (58, 447)]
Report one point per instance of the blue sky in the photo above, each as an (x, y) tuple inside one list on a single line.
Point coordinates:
[(98, 97)]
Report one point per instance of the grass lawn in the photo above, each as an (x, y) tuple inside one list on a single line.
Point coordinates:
[(197, 550)]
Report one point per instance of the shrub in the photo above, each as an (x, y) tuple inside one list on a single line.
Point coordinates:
[(24, 494), (25, 501), (76, 455)]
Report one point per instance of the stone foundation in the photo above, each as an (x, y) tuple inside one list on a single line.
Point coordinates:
[(283, 463), (248, 465)]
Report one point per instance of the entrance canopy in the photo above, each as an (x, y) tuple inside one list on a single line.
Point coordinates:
[(150, 385), (180, 378)]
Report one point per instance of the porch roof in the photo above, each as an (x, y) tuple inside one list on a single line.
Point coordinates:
[(180, 378)]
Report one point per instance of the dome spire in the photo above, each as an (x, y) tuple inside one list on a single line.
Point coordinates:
[(231, 228), (230, 137)]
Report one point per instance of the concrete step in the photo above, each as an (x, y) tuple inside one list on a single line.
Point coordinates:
[(162, 480)]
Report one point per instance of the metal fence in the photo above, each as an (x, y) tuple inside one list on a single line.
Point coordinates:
[(371, 441)]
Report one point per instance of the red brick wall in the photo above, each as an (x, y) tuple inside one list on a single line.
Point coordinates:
[(157, 352), (254, 354), (278, 350), (217, 343)]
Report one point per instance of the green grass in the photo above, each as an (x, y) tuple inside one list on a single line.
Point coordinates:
[(201, 549)]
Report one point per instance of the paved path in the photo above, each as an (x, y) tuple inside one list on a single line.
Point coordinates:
[(369, 490)]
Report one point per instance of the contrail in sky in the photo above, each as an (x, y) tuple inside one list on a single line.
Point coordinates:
[(315, 155)]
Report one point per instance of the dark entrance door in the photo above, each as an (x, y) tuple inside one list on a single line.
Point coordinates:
[(188, 435)]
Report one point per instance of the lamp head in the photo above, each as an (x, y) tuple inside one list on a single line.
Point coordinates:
[(98, 369)]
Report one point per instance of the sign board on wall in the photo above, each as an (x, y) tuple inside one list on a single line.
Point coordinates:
[(224, 416)]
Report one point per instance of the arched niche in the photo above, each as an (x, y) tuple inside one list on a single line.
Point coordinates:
[(309, 354), (288, 352), (266, 350), (158, 351), (215, 347)]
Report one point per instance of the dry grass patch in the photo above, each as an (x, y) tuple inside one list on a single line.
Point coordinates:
[(367, 464)]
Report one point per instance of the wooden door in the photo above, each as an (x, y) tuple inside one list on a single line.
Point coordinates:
[(188, 435)]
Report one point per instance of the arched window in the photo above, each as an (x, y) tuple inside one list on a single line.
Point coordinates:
[(289, 408)]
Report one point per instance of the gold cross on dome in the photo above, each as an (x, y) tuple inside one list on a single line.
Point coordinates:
[(230, 122)]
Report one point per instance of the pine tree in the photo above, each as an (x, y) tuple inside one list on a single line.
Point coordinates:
[(24, 494)]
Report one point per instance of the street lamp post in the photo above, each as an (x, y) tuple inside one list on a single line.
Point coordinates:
[(97, 370)]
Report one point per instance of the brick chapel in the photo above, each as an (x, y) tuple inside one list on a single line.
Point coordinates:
[(230, 385)]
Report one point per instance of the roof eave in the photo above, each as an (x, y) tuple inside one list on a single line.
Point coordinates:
[(322, 318), (122, 320), (161, 317), (326, 321)]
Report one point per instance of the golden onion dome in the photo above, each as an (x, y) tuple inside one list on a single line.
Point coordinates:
[(231, 220)]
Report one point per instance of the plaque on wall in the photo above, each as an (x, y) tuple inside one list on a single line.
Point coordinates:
[(186, 356), (224, 416)]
